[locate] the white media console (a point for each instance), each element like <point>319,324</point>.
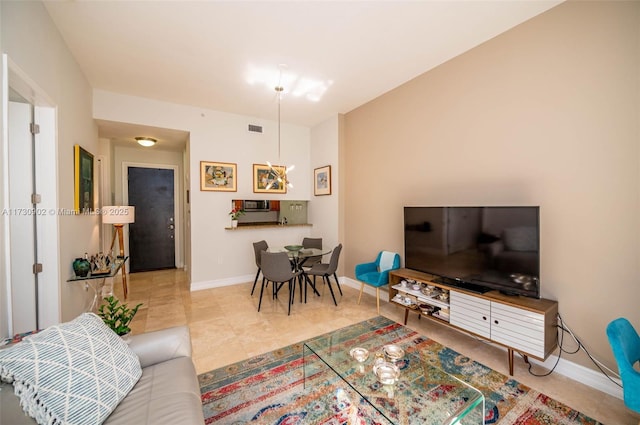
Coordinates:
<point>522,324</point>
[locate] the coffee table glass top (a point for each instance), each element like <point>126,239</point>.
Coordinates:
<point>423,393</point>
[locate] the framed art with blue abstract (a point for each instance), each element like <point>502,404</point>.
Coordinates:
<point>322,181</point>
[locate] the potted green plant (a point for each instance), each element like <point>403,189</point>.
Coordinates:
<point>116,315</point>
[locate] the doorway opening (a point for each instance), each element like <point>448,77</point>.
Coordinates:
<point>30,227</point>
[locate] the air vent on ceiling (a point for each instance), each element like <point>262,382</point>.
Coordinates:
<point>255,128</point>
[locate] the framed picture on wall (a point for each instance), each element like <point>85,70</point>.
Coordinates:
<point>83,180</point>
<point>322,181</point>
<point>265,179</point>
<point>218,176</point>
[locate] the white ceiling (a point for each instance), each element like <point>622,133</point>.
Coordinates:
<point>200,53</point>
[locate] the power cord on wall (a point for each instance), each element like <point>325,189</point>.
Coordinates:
<point>562,329</point>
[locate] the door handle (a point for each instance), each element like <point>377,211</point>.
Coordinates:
<point>171,226</point>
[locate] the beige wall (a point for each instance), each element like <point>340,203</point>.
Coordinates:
<point>545,114</point>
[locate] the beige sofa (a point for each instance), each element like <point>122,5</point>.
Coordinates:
<point>167,393</point>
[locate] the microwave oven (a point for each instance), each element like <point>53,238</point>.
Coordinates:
<point>260,205</point>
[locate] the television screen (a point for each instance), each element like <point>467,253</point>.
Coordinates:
<point>476,248</point>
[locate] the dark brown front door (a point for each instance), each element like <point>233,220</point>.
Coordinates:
<point>152,236</point>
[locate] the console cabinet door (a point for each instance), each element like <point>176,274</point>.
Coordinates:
<point>470,313</point>
<point>521,329</point>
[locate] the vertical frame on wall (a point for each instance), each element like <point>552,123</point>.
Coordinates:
<point>83,180</point>
<point>322,181</point>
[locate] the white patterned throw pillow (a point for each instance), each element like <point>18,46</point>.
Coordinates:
<point>74,373</point>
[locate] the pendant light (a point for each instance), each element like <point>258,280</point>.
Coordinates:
<point>280,173</point>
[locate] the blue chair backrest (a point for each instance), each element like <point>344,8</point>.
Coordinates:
<point>625,344</point>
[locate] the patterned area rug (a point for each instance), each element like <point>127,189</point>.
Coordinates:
<point>270,389</point>
<point>17,338</point>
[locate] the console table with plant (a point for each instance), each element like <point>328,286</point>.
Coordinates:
<point>96,281</point>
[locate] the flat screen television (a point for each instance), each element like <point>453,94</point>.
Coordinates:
<point>476,248</point>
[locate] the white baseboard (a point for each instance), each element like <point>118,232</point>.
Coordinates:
<point>579,373</point>
<point>209,284</point>
<point>593,378</point>
<point>384,291</point>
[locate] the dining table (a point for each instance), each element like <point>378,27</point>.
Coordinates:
<point>298,256</point>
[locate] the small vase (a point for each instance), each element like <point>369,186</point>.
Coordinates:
<point>81,267</point>
<point>234,224</point>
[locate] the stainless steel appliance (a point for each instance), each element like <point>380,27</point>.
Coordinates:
<point>256,205</point>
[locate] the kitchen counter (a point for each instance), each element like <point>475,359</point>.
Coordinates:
<point>268,224</point>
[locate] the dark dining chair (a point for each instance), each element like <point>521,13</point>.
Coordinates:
<point>326,271</point>
<point>258,247</point>
<point>316,259</point>
<point>276,268</point>
<point>312,243</point>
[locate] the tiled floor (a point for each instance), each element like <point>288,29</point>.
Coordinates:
<point>226,327</point>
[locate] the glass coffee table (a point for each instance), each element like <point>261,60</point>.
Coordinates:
<point>422,394</point>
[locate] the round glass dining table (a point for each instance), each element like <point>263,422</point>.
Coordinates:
<point>298,257</point>
<point>302,254</point>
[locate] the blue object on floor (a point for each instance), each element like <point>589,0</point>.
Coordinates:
<point>625,345</point>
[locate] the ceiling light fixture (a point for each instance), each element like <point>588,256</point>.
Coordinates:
<point>146,141</point>
<point>297,85</point>
<point>278,172</point>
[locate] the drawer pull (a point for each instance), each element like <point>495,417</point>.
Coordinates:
<point>484,317</point>
<point>495,321</point>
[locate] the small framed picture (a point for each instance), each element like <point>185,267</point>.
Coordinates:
<point>322,181</point>
<point>218,176</point>
<point>83,180</point>
<point>265,179</point>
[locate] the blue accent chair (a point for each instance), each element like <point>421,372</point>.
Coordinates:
<point>376,274</point>
<point>625,345</point>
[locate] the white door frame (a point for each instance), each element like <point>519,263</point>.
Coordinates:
<point>177,202</point>
<point>45,112</point>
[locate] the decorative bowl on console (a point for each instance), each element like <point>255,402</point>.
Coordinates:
<point>426,308</point>
<point>444,296</point>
